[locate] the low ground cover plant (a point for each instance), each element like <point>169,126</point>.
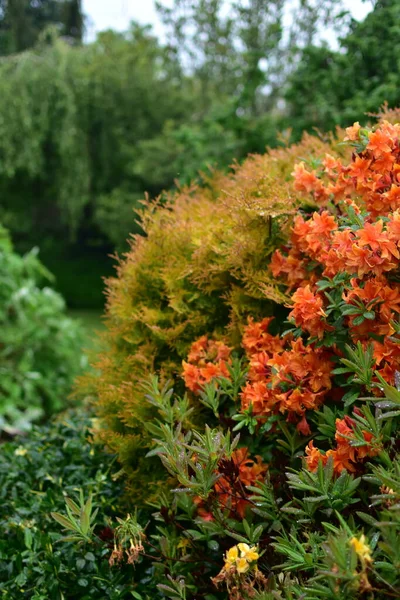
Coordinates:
<point>281,458</point>
<point>40,347</point>
<point>36,473</point>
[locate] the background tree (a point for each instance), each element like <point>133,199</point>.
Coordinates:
<point>72,119</point>
<point>87,130</point>
<point>22,21</point>
<point>332,88</point>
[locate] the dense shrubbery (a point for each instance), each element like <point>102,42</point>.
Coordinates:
<point>305,503</point>
<point>34,473</point>
<point>40,348</point>
<point>201,268</point>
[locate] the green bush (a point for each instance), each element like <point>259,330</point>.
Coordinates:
<point>33,473</point>
<point>39,346</point>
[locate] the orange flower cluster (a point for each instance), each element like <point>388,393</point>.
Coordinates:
<point>372,179</point>
<point>373,249</point>
<point>283,379</point>
<point>207,360</point>
<point>237,473</point>
<point>387,357</point>
<point>368,249</point>
<point>378,295</point>
<point>347,455</point>
<point>257,339</point>
<point>308,312</point>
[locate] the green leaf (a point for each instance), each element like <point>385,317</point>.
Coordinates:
<point>64,521</point>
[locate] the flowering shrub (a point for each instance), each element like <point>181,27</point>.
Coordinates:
<point>282,455</point>
<point>201,269</point>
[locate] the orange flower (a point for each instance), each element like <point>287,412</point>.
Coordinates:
<point>256,338</point>
<point>191,376</point>
<point>259,369</point>
<point>259,396</point>
<point>360,169</point>
<point>380,142</point>
<point>291,381</point>
<point>313,236</point>
<point>239,472</point>
<point>305,181</point>
<point>313,457</point>
<point>379,296</point>
<point>302,365</point>
<point>393,197</point>
<point>387,356</point>
<point>353,132</point>
<point>303,427</point>
<point>393,226</point>
<point>208,360</point>
<point>346,455</point>
<point>307,312</point>
<point>369,250</point>
<point>298,401</point>
<point>372,235</point>
<point>198,349</point>
<point>341,460</point>
<point>292,267</point>
<point>331,164</point>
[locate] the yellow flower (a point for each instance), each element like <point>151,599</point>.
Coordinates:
<point>362,549</point>
<point>231,557</point>
<point>250,554</point>
<point>242,565</point>
<point>20,451</point>
<point>183,543</point>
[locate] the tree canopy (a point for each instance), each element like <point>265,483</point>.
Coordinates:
<point>332,88</point>
<point>22,22</point>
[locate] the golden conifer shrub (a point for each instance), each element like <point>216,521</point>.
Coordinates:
<point>201,268</point>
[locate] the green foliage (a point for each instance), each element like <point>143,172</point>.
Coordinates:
<point>246,52</point>
<point>87,130</point>
<point>318,535</point>
<point>80,519</point>
<point>38,474</point>
<point>331,88</point>
<point>75,149</point>
<point>72,119</point>
<point>23,21</point>
<point>39,346</point>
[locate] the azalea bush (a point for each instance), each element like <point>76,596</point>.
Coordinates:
<point>40,347</point>
<point>281,455</point>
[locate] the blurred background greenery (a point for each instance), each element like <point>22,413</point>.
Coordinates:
<point>86,129</point>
